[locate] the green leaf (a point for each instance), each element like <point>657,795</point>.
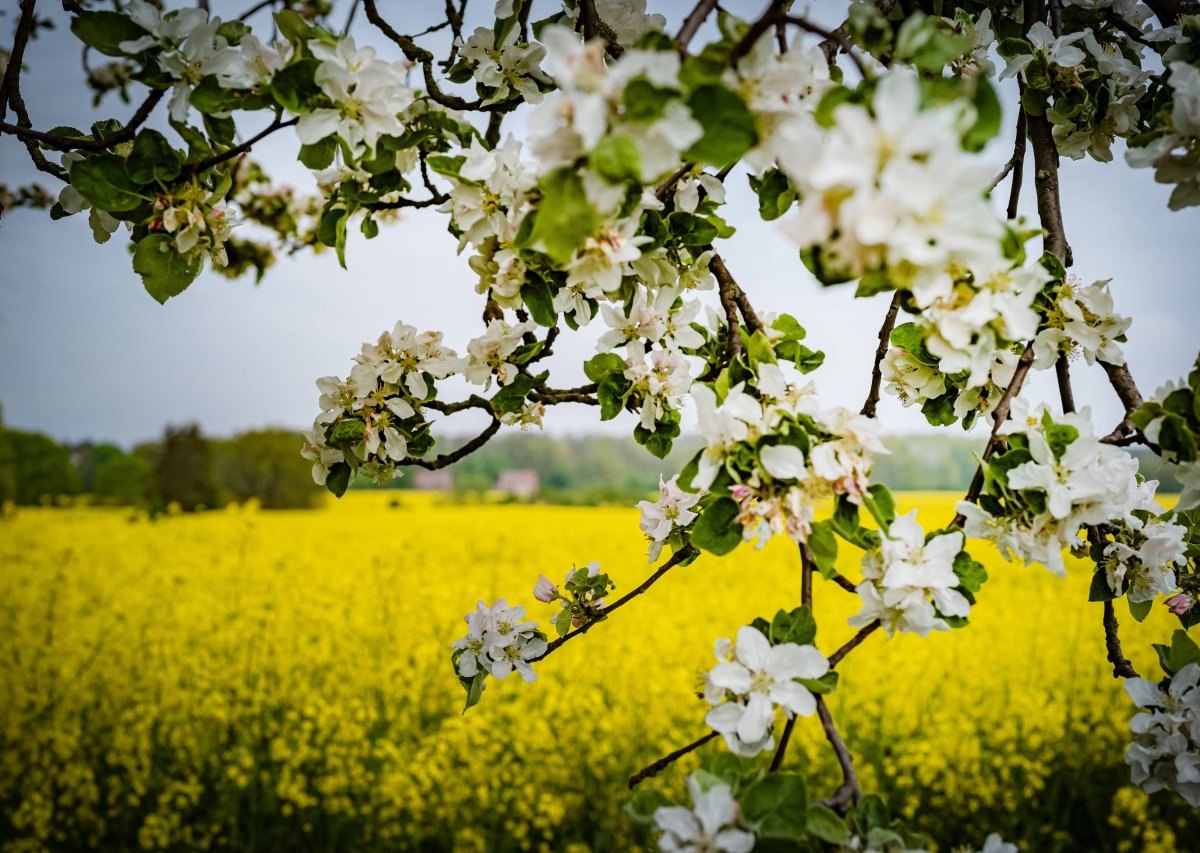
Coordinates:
<point>1059,436</point>
<point>1140,609</point>
<point>824,823</point>
<point>729,130</point>
<point>338,479</point>
<point>102,180</point>
<point>616,159</point>
<point>827,683</point>
<point>1182,651</point>
<point>775,194</point>
<point>347,431</point>
<point>611,396</point>
<point>565,216</point>
<point>715,530</point>
<point>1100,589</point>
<point>776,807</point>
<point>152,159</point>
<point>939,411</point>
<point>796,626</point>
<point>511,397</point>
<point>645,102</point>
<point>165,273</point>
<point>295,87</point>
<point>600,366</point>
<point>105,31</point>
<point>562,622</point>
<point>1175,436</point>
<point>644,803</point>
<point>910,337</point>
<point>474,690</point>
<point>539,299</point>
<point>295,29</point>
<point>823,545</point>
<point>987,116</point>
<point>881,502</point>
<point>319,155</point>
<point>971,573</point>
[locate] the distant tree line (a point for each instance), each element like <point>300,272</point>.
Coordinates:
<point>183,468</point>
<point>193,471</point>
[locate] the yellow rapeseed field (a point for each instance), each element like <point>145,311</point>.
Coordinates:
<point>281,680</point>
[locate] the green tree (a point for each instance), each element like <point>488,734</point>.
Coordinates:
<point>125,479</point>
<point>264,464</point>
<point>184,471</point>
<point>8,474</point>
<point>42,467</point>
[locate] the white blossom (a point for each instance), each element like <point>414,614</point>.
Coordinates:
<point>1166,747</point>
<point>760,678</point>
<point>672,509</point>
<point>710,826</point>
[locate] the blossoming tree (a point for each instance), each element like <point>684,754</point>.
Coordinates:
<point>863,141</point>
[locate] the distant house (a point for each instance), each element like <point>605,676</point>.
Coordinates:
<point>433,481</point>
<point>519,482</point>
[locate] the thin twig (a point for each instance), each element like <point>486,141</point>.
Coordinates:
<point>853,643</point>
<point>999,416</point>
<point>678,557</point>
<point>237,150</point>
<point>1062,369</point>
<point>450,458</point>
<point>667,760</point>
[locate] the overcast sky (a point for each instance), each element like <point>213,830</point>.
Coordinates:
<point>86,353</point>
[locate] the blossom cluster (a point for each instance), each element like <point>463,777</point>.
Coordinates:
<point>1079,320</point>
<point>775,452</point>
<point>1056,477</point>
<point>499,639</point>
<point>372,419</point>
<point>1166,747</point>
<point>710,824</point>
<point>754,678</point>
<point>912,582</point>
<point>581,596</point>
<point>668,516</point>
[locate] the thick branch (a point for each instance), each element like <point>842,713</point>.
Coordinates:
<point>1063,370</point>
<point>885,336</point>
<point>450,458</point>
<point>1045,159</point>
<point>692,22</point>
<point>70,143</point>
<point>1123,384</point>
<point>1122,668</point>
<point>848,794</point>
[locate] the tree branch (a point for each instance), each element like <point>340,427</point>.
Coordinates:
<point>450,458</point>
<point>692,23</point>
<point>853,643</point>
<point>885,336</point>
<point>667,760</point>
<point>999,416</point>
<point>848,794</point>
<point>678,557</point>
<point>1122,668</point>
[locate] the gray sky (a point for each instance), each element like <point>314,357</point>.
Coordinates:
<point>86,353</point>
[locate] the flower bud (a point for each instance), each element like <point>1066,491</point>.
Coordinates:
<point>544,590</point>
<point>1179,603</point>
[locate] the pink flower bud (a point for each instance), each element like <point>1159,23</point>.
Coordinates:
<point>544,590</point>
<point>740,492</point>
<point>1179,603</point>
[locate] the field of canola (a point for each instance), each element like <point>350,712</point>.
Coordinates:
<point>280,680</point>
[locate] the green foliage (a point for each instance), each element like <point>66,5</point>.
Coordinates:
<point>729,129</point>
<point>41,467</point>
<point>715,530</point>
<point>565,217</point>
<point>264,464</point>
<point>165,272</point>
<point>104,31</point>
<point>184,471</point>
